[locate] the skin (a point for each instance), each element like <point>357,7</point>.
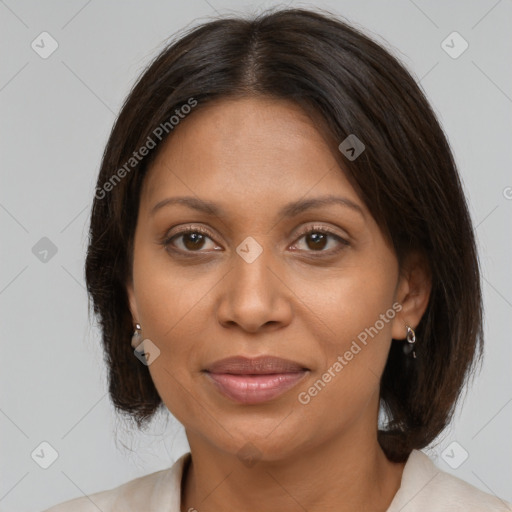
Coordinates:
<point>252,156</point>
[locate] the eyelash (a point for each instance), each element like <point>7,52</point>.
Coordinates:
<point>312,229</point>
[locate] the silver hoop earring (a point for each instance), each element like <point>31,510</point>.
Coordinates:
<point>137,339</point>
<point>411,340</point>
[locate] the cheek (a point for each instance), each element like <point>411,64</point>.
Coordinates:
<point>166,294</point>
<point>356,299</point>
<point>354,355</point>
<point>357,309</point>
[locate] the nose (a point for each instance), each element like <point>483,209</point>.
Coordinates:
<point>254,294</point>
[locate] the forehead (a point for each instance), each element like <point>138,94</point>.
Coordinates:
<point>250,151</point>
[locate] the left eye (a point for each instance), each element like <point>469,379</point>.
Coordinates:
<point>317,239</point>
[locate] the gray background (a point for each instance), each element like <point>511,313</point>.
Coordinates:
<point>56,115</point>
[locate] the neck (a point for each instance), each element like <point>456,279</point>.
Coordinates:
<point>337,476</point>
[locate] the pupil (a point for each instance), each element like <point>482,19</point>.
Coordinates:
<point>197,239</point>
<point>318,240</point>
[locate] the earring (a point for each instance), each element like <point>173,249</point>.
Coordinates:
<point>411,340</point>
<point>137,339</point>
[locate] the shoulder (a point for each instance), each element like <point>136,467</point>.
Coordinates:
<point>156,491</point>
<point>426,487</point>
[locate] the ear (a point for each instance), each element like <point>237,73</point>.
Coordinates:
<point>132,302</point>
<point>412,292</point>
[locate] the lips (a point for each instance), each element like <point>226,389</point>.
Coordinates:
<point>262,365</point>
<point>255,380</point>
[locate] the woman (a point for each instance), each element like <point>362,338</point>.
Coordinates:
<point>280,229</point>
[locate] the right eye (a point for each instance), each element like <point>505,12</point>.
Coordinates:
<point>191,239</point>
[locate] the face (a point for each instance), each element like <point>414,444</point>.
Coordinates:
<point>257,278</point>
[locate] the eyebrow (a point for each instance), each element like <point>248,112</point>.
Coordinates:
<point>289,210</point>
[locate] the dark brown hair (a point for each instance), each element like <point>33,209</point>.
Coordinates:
<point>406,176</point>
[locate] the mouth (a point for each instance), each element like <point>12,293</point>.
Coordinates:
<point>262,365</point>
<point>255,380</point>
